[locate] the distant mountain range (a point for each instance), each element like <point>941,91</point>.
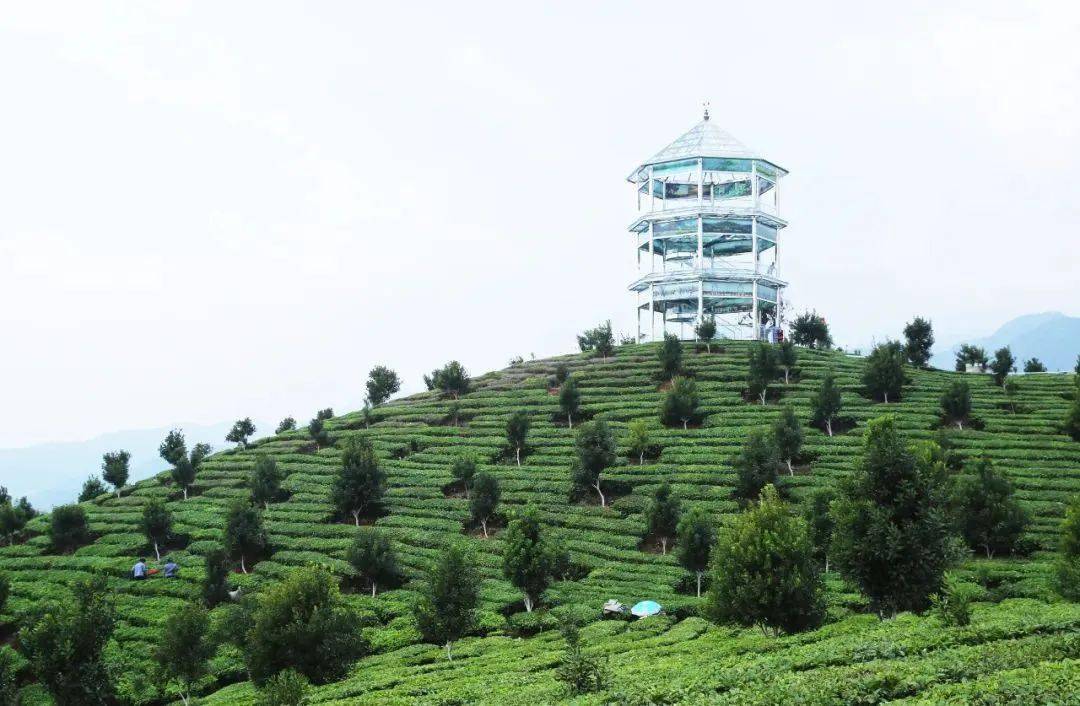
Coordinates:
<point>52,473</point>
<point>1052,337</point>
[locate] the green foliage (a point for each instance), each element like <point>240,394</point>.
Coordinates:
<point>810,330</point>
<point>1067,568</point>
<point>918,342</point>
<point>787,357</point>
<point>638,442</point>
<point>446,609</point>
<point>5,591</point>
<point>360,483</point>
<point>184,466</point>
<point>317,431</point>
<point>64,641</point>
<point>883,375</point>
<point>762,370</point>
<point>594,446</point>
<point>670,354</point>
<point>528,561</point>
<point>183,653</point>
<point>1072,420</point>
<point>265,481</point>
<point>826,403</point>
<point>286,688</point>
<point>1003,363</point>
<point>241,431</point>
<point>68,529</point>
<point>463,469</point>
<point>245,536</point>
<point>1034,365</point>
<point>451,380</point>
<point>706,331</point>
<point>680,403</point>
<point>286,424</point>
<point>952,605</point>
<point>92,488</point>
<point>762,570</point>
<point>14,516</point>
<point>302,623</point>
<point>174,448</point>
<point>755,465</point>
<point>988,514</point>
<point>484,499</point>
<point>215,586</point>
<point>970,355</point>
<point>956,402</point>
<point>561,374</point>
<point>892,532</point>
<point>662,515</point>
<point>787,434</point>
<point>156,524</point>
<point>817,514</point>
<point>382,382</point>
<point>9,676</point>
<point>697,534</point>
<point>373,559</point>
<point>599,339</point>
<point>582,674</point>
<point>115,469</point>
<point>517,432</point>
<point>570,400</point>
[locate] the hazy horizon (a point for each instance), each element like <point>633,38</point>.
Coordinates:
<point>218,211</point>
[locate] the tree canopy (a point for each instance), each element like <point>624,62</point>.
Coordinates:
<point>382,382</point>
<point>670,354</point>
<point>184,652</point>
<point>599,339</point>
<point>956,403</point>
<point>706,331</point>
<point>156,524</point>
<point>92,487</point>
<point>809,329</point>
<point>115,469</point>
<point>528,560</point>
<point>970,355</point>
<point>680,403</point>
<point>1034,365</point>
<point>241,431</point>
<point>1003,363</point>
<point>373,558</point>
<point>245,536</point>
<point>696,536</point>
<point>762,370</point>
<point>594,446</point>
<point>662,515</point>
<point>990,518</point>
<point>265,481</point>
<point>360,482</point>
<point>918,342</point>
<point>452,380</point>
<point>286,424</point>
<point>68,528</point>
<point>826,403</point>
<point>883,375</point>
<point>787,434</point>
<point>517,432</point>
<point>484,499</point>
<point>570,400</point>
<point>446,609</point>
<point>755,465</point>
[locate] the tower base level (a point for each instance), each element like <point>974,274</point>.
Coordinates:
<point>737,326</point>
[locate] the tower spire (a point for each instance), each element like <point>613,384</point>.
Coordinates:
<point>705,105</point>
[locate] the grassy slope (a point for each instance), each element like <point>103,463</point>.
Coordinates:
<point>910,657</point>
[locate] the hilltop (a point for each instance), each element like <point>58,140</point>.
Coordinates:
<point>1052,337</point>
<point>1022,641</point>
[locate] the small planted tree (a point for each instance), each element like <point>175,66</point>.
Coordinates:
<point>956,403</point>
<point>382,382</point>
<point>215,583</point>
<point>1072,419</point>
<point>819,524</point>
<point>762,370</point>
<point>1003,364</point>
<point>517,432</point>
<point>599,339</point>
<point>317,430</point>
<point>286,688</point>
<point>183,653</point>
<point>826,403</point>
<point>446,610</point>
<point>680,403</point>
<point>1034,365</point>
<point>883,374</point>
<point>762,572</point>
<point>697,535</point>
<point>13,518</point>
<point>706,331</point>
<point>286,424</point>
<point>787,357</point>
<point>594,446</point>
<point>92,488</point>
<point>115,469</point>
<point>918,342</point>
<point>662,515</point>
<point>68,529</point>
<point>810,330</point>
<point>360,482</point>
<point>452,380</point>
<point>1067,566</point>
<point>484,500</point>
<point>582,673</point>
<point>463,469</point>
<point>373,559</point>
<point>788,435</point>
<point>265,481</point>
<point>156,524</point>
<point>528,561</point>
<point>755,465</point>
<point>241,431</point>
<point>637,442</point>
<point>245,537</point>
<point>970,355</point>
<point>302,623</point>
<point>185,466</point>
<point>989,516</point>
<point>670,355</point>
<point>570,400</point>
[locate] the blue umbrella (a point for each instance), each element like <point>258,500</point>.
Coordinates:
<point>645,609</point>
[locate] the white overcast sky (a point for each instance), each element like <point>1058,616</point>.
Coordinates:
<point>217,209</point>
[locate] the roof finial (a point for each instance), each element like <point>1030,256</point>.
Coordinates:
<point>705,104</point>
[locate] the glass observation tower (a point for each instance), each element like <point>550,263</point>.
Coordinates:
<point>707,232</point>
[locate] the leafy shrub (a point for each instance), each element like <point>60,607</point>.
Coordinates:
<point>286,688</point>
<point>952,605</point>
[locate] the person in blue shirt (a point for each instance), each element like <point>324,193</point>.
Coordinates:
<point>138,572</point>
<point>171,568</point>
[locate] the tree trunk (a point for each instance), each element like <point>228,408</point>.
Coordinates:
<point>828,425</point>
<point>684,424</point>
<point>826,563</point>
<point>570,421</point>
<point>372,589</point>
<point>483,525</point>
<point>786,373</point>
<point>185,492</point>
<point>518,453</point>
<point>184,697</point>
<point>156,552</point>
<point>603,502</point>
<point>118,493</point>
<point>762,395</point>
<point>886,396</point>
<point>790,469</point>
<point>242,566</point>
<point>663,545</point>
<point>448,657</point>
<point>641,459</point>
<point>699,584</point>
<point>356,517</point>
<point>528,603</point>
